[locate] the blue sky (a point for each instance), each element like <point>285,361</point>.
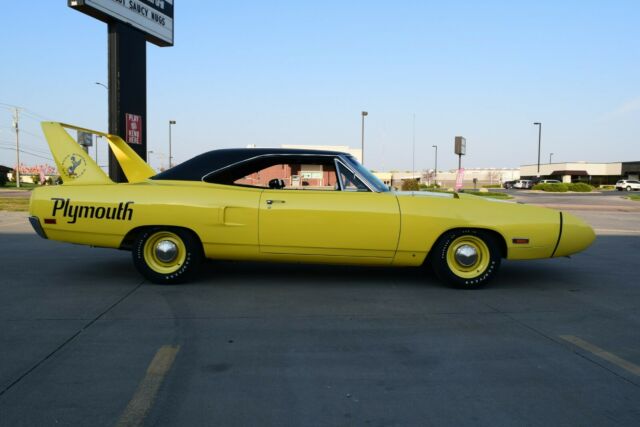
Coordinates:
<point>284,72</point>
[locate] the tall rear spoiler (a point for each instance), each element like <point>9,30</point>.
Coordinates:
<point>78,168</point>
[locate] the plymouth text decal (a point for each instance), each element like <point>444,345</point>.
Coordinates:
<point>121,213</point>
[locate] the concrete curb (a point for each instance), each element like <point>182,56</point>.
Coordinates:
<point>610,208</point>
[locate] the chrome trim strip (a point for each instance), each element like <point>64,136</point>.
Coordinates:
<point>337,158</point>
<point>263,155</point>
<point>360,177</point>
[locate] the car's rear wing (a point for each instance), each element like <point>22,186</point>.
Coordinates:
<point>76,167</point>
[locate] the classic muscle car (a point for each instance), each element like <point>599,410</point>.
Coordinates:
<point>285,205</point>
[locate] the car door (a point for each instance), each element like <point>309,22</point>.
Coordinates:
<point>349,222</point>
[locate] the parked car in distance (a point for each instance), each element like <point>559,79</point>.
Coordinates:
<point>508,184</point>
<point>549,181</point>
<point>523,184</point>
<point>628,184</point>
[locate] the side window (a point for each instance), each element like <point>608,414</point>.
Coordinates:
<point>292,176</point>
<point>350,182</point>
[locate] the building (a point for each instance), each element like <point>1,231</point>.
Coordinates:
<point>447,179</point>
<point>592,173</point>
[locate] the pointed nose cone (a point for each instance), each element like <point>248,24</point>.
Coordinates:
<point>577,236</point>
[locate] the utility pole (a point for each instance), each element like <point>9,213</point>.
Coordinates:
<point>436,167</point>
<point>539,124</point>
<point>16,125</point>
<point>413,147</point>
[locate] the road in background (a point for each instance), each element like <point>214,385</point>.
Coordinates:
<point>85,341</point>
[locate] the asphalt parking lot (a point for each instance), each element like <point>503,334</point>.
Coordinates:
<point>85,341</point>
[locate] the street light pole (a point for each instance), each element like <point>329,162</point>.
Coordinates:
<point>171,122</point>
<point>364,113</point>
<point>98,136</point>
<point>550,157</point>
<point>149,153</point>
<point>436,167</point>
<point>539,140</point>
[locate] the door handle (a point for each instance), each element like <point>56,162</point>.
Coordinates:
<point>270,202</point>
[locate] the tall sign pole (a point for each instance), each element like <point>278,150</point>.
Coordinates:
<point>460,148</point>
<point>130,25</point>
<point>127,91</point>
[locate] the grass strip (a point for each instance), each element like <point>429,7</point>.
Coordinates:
<point>14,204</point>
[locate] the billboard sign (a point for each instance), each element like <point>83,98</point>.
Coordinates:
<point>153,17</point>
<point>460,146</point>
<point>85,139</point>
<point>134,128</point>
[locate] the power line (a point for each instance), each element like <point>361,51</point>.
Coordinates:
<point>27,111</point>
<point>26,152</point>
<point>12,144</point>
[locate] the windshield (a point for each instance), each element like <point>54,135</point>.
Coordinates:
<point>364,172</point>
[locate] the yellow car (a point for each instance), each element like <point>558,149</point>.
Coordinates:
<point>285,205</point>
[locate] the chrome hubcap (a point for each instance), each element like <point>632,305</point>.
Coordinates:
<point>166,251</point>
<point>466,255</point>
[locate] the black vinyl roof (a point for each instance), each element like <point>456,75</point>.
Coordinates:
<point>196,168</point>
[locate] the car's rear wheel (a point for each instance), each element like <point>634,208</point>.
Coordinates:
<point>629,188</point>
<point>167,255</point>
<point>466,258</point>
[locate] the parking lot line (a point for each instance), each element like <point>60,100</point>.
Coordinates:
<point>142,400</point>
<point>603,354</point>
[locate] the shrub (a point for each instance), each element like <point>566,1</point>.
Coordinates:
<point>410,185</point>
<point>35,178</point>
<point>3,179</point>
<point>429,187</point>
<point>580,187</point>
<point>552,188</point>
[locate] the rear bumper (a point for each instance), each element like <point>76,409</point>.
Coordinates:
<point>35,223</point>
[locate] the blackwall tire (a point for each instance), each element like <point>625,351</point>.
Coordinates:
<point>466,258</point>
<point>167,255</point>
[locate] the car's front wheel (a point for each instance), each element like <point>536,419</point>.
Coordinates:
<point>629,188</point>
<point>466,258</point>
<point>167,255</point>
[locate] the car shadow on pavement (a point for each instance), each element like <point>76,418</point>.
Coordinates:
<point>611,258</point>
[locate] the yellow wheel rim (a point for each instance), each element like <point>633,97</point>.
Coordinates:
<point>468,257</point>
<point>164,252</point>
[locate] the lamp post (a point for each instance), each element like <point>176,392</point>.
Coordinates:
<point>435,170</point>
<point>550,157</point>
<point>171,122</point>
<point>149,153</point>
<point>539,139</point>
<point>98,136</point>
<point>364,114</point>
